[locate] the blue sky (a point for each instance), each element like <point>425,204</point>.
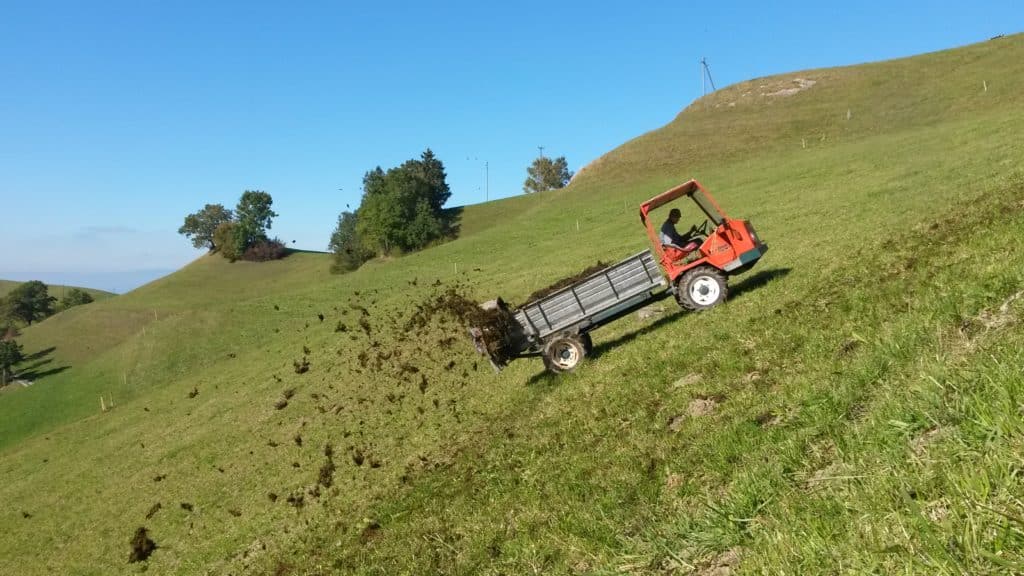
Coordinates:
<point>119,118</point>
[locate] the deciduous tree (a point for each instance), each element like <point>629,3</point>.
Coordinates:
<point>547,174</point>
<point>200,226</point>
<point>75,297</point>
<point>402,209</point>
<point>10,355</point>
<point>348,248</point>
<point>28,302</point>
<point>254,217</point>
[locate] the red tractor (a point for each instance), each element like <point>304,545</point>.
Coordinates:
<point>720,247</point>
<point>557,326</point>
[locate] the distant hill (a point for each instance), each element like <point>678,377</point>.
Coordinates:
<point>57,290</point>
<point>853,407</point>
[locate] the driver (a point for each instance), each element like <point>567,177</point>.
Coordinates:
<point>670,237</point>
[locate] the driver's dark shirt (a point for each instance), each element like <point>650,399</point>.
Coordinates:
<point>670,236</point>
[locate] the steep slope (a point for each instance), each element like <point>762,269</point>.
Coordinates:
<point>831,415</point>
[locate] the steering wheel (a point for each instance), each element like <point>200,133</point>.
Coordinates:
<point>702,229</point>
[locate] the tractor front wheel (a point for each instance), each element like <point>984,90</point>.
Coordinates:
<point>701,288</point>
<point>564,353</point>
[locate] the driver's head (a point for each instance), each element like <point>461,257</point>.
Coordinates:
<point>674,215</point>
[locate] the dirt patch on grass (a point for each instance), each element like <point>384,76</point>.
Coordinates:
<point>704,405</point>
<point>142,546</point>
<point>370,532</point>
<point>768,419</point>
<point>722,565</point>
<point>687,381</point>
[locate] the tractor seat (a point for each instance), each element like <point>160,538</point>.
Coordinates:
<point>674,253</point>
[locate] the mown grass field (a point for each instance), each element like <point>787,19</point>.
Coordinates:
<point>854,407</point>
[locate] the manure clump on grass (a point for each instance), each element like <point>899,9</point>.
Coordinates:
<point>296,500</point>
<point>142,546</point>
<point>326,476</point>
<point>153,510</point>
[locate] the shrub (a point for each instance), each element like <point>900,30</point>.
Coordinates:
<point>224,238</point>
<point>75,297</point>
<point>264,250</point>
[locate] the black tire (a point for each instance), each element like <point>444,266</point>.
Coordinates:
<point>564,353</point>
<point>588,344</point>
<point>701,288</point>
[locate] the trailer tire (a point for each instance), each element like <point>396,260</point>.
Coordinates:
<point>564,353</point>
<point>701,288</point>
<point>588,344</point>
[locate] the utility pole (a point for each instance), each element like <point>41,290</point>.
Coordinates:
<point>541,148</point>
<point>487,181</point>
<point>705,72</point>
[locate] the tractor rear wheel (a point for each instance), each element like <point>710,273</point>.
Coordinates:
<point>564,353</point>
<point>701,288</point>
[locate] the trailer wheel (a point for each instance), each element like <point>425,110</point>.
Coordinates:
<point>701,288</point>
<point>588,344</point>
<point>564,353</point>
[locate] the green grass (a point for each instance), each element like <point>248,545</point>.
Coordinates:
<point>865,377</point>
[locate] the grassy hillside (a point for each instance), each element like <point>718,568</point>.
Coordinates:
<point>56,290</point>
<point>853,407</point>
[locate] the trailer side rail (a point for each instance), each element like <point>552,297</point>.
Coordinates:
<point>595,295</point>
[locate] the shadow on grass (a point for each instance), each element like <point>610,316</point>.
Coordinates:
<point>41,354</point>
<point>756,281</point>
<point>452,221</point>
<point>741,288</point>
<point>35,366</point>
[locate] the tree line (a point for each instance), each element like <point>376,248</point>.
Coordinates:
<point>401,210</point>
<point>29,302</point>
<point>240,234</point>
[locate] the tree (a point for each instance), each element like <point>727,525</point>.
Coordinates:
<point>200,226</point>
<point>254,216</point>
<point>348,248</point>
<point>28,302</point>
<point>547,174</point>
<point>10,355</point>
<point>402,209</point>
<point>75,297</point>
<point>225,237</point>
<point>431,172</point>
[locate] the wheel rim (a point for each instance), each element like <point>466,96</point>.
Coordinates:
<point>705,290</point>
<point>566,355</point>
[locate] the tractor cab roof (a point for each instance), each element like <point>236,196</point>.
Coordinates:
<point>692,189</point>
